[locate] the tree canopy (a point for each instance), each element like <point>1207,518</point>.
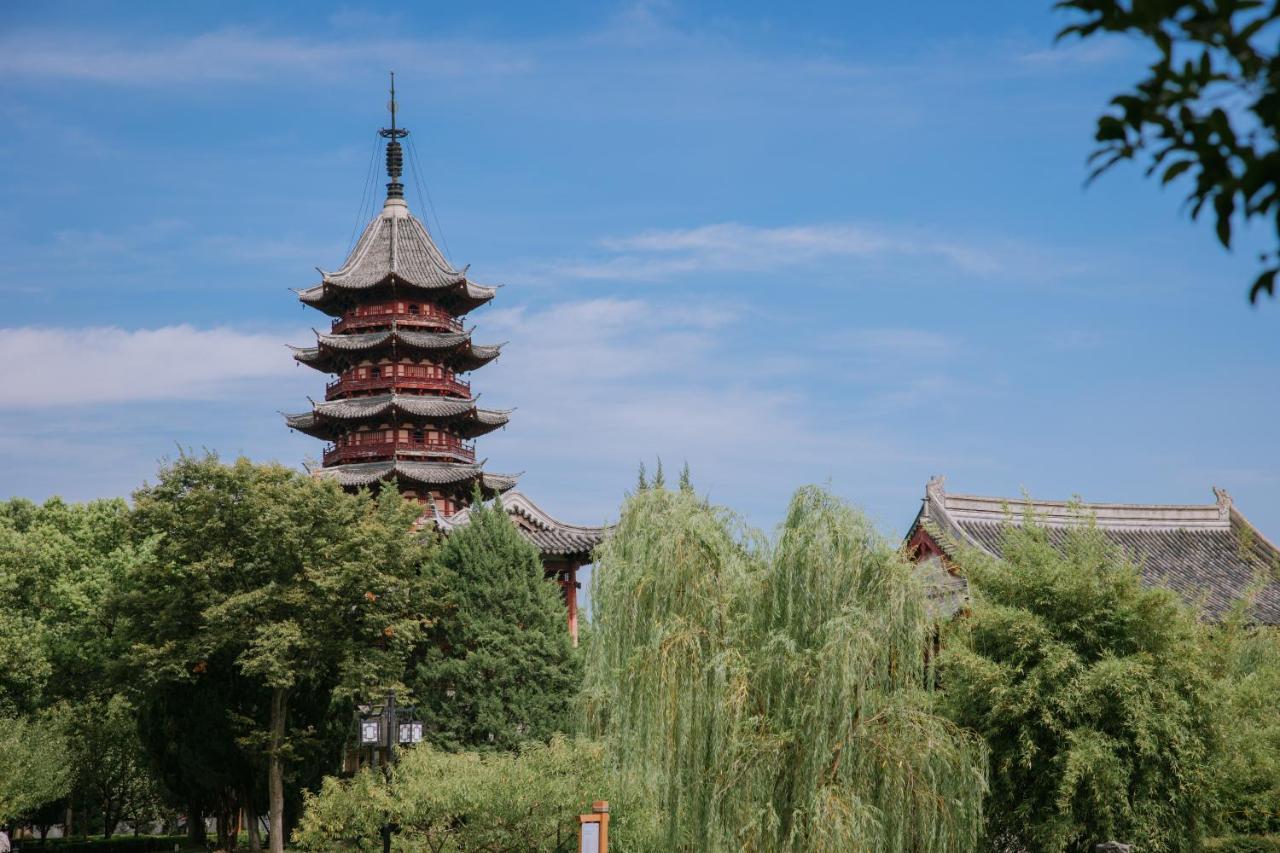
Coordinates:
<point>1090,691</point>
<point>1209,106</point>
<point>773,696</point>
<point>497,668</point>
<point>276,596</point>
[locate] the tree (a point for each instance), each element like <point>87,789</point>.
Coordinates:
<point>773,696</point>
<point>498,667</point>
<point>34,766</point>
<point>60,566</point>
<point>1245,660</point>
<point>108,761</point>
<point>1091,692</point>
<point>1209,105</point>
<point>285,592</point>
<point>506,802</point>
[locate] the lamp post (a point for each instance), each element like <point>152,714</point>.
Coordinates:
<point>384,728</point>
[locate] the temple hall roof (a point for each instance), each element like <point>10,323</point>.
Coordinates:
<point>551,536</point>
<point>396,245</point>
<point>328,417</point>
<point>1207,553</point>
<point>332,351</point>
<point>427,473</point>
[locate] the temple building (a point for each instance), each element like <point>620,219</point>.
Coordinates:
<point>399,407</point>
<point>1208,553</point>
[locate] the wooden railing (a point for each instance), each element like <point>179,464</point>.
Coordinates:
<point>372,451</point>
<point>395,384</point>
<point>427,316</point>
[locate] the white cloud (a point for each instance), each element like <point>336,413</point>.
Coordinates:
<point>732,247</point>
<point>601,384</point>
<point>106,364</point>
<point>236,55</point>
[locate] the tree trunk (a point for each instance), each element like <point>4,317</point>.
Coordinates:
<point>195,823</point>
<point>275,772</point>
<point>251,819</point>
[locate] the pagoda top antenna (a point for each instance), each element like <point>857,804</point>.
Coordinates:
<point>395,156</point>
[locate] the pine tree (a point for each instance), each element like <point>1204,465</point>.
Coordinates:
<point>499,668</point>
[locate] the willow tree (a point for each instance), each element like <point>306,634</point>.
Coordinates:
<point>774,695</point>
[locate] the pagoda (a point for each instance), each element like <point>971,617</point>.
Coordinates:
<point>399,408</point>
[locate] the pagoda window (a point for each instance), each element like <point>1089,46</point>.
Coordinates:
<point>418,436</point>
<point>413,309</point>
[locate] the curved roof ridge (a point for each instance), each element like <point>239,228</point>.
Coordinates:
<point>520,502</point>
<point>1056,513</point>
<point>367,238</point>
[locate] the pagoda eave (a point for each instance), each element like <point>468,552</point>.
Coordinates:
<point>457,476</point>
<point>336,417</point>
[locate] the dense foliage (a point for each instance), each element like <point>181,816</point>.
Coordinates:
<point>1091,693</point>
<point>275,595</point>
<point>1209,105</point>
<point>506,802</point>
<point>773,696</point>
<point>1246,661</point>
<point>497,668</point>
<point>61,643</point>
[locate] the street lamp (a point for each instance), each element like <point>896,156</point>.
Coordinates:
<point>383,727</point>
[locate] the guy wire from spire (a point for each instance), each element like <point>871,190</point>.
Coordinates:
<point>426,196</point>
<point>370,173</point>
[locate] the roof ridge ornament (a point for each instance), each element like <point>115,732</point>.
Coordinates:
<point>395,154</point>
<point>1224,502</point>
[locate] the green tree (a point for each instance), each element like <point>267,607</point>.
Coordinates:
<point>1208,107</point>
<point>1091,692</point>
<point>1246,662</point>
<point>773,696</point>
<point>498,668</point>
<point>60,566</point>
<point>506,802</point>
<point>34,766</point>
<point>108,761</point>
<point>285,592</point>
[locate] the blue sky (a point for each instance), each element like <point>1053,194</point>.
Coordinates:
<point>846,244</point>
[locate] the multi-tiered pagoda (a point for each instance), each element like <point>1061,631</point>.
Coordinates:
<point>399,408</point>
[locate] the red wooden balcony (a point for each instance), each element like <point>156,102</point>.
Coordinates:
<point>407,314</point>
<point>342,387</point>
<point>404,448</point>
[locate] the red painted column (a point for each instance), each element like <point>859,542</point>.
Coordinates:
<point>571,599</point>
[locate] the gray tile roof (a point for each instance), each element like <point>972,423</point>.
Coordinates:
<point>551,536</point>
<point>395,244</point>
<point>456,345</point>
<point>1208,553</point>
<point>329,417</point>
<point>426,473</point>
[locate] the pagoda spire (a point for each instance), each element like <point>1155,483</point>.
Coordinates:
<point>395,154</point>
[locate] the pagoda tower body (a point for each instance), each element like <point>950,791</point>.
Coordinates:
<point>398,407</point>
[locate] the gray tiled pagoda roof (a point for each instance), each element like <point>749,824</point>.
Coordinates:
<point>396,244</point>
<point>1208,553</point>
<point>551,536</point>
<point>322,419</point>
<point>426,473</point>
<point>458,345</point>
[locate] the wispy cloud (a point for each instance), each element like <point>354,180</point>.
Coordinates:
<point>107,364</point>
<point>732,247</point>
<point>237,55</point>
<point>1076,54</point>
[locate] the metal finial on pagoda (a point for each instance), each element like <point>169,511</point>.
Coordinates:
<point>395,154</point>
